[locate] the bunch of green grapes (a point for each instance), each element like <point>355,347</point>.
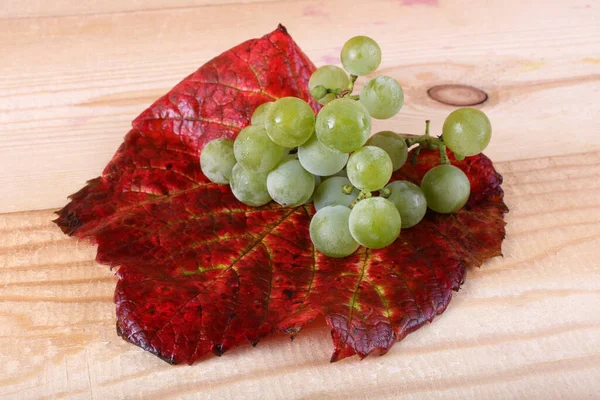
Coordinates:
<point>292,156</point>
<point>258,165</point>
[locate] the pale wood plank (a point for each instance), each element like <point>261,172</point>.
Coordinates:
<point>72,84</point>
<point>523,326</point>
<point>526,326</point>
<point>25,9</point>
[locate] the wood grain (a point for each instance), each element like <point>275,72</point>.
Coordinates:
<point>74,74</point>
<point>26,9</point>
<point>523,326</point>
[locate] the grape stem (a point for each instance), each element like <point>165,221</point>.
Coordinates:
<point>347,189</point>
<point>428,141</point>
<point>347,92</point>
<point>361,196</point>
<point>443,154</point>
<point>336,92</point>
<point>353,79</point>
<point>385,192</point>
<point>322,91</point>
<point>415,154</point>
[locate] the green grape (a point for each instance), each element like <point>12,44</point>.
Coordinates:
<point>330,193</point>
<point>330,77</point>
<point>343,125</point>
<point>249,187</point>
<point>317,180</point>
<point>361,55</point>
<point>317,183</point>
<point>393,144</point>
<point>290,122</point>
<point>289,184</point>
<point>321,160</point>
<point>382,96</point>
<point>370,168</point>
<point>375,222</point>
<point>342,173</point>
<point>255,151</point>
<point>258,117</point>
<point>319,92</point>
<point>410,202</point>
<point>467,131</point>
<point>217,160</point>
<point>330,234</point>
<point>446,188</point>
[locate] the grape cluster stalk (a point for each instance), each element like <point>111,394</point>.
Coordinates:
<point>293,157</point>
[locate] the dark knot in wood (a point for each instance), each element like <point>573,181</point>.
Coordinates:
<point>457,95</point>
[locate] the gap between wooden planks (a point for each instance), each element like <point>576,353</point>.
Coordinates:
<point>523,326</point>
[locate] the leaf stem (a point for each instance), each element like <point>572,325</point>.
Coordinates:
<point>347,189</point>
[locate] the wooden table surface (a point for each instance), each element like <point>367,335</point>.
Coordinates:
<point>526,326</point>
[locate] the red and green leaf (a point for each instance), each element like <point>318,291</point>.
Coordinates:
<point>200,272</point>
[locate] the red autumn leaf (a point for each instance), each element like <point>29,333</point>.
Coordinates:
<point>200,272</point>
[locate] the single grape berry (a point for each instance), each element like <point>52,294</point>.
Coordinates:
<point>343,173</point>
<point>467,131</point>
<point>255,151</point>
<point>329,77</point>
<point>375,222</point>
<point>409,200</point>
<point>249,187</point>
<point>382,96</point>
<point>290,122</point>
<point>318,159</point>
<point>289,184</point>
<point>343,125</point>
<point>330,193</point>
<point>393,144</point>
<point>319,92</point>
<point>369,168</point>
<point>330,233</point>
<point>361,55</point>
<point>446,188</point>
<point>217,160</point>
<point>258,117</point>
<point>317,180</point>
